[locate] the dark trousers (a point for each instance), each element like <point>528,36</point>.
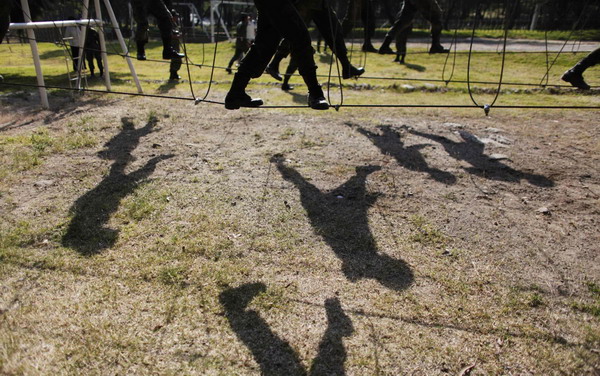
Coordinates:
<point>241,47</point>
<point>278,19</point>
<point>75,58</point>
<point>90,55</point>
<point>364,9</point>
<point>429,9</point>
<point>158,9</point>
<point>589,61</point>
<point>5,8</point>
<point>329,27</point>
<point>176,62</point>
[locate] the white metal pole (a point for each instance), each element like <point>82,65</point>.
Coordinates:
<point>83,31</point>
<point>36,56</point>
<point>103,46</point>
<point>113,19</point>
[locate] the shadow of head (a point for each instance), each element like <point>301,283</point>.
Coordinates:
<point>238,298</point>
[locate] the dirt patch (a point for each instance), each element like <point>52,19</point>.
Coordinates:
<point>171,238</point>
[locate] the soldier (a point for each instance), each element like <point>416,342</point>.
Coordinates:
<point>430,10</point>
<point>5,8</point>
<point>329,27</point>
<point>277,19</point>
<point>574,76</point>
<point>401,41</point>
<point>176,61</point>
<point>92,51</point>
<point>72,35</point>
<point>243,39</point>
<point>157,8</point>
<point>364,8</point>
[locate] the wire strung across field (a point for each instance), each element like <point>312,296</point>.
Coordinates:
<point>198,100</point>
<point>213,66</point>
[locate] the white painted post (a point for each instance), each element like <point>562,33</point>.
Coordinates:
<point>36,56</point>
<point>103,46</point>
<point>80,62</point>
<point>113,19</point>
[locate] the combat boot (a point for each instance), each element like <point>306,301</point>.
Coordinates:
<point>141,51</point>
<point>575,78</point>
<point>316,99</point>
<point>438,49</point>
<point>237,97</point>
<point>349,71</point>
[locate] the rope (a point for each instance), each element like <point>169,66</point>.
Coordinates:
<point>487,107</point>
<point>304,106</point>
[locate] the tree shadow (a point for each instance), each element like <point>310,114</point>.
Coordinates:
<point>471,150</point>
<point>86,232</point>
<point>390,142</point>
<point>340,216</point>
<point>274,355</point>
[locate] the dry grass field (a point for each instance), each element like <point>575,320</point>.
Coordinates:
<point>148,236</point>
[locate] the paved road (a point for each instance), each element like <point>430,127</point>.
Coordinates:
<point>513,45</point>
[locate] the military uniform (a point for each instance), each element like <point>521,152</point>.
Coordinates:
<point>430,10</point>
<point>160,10</point>
<point>242,42</point>
<point>92,51</point>
<point>329,27</point>
<point>277,19</point>
<point>364,10</point>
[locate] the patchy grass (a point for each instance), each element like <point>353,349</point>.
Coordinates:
<point>162,238</point>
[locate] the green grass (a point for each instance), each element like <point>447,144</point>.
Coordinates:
<point>424,76</point>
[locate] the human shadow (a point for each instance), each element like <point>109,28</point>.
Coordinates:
<point>167,86</point>
<point>86,231</point>
<point>332,353</point>
<point>471,150</point>
<point>274,355</point>
<point>415,67</point>
<point>340,216</point>
<point>298,95</point>
<point>390,142</point>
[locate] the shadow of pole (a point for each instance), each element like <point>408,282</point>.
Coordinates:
<point>341,218</point>
<point>86,232</point>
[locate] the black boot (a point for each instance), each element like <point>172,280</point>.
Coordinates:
<point>368,47</point>
<point>385,46</point>
<point>237,97</point>
<point>286,87</point>
<point>141,51</point>
<point>273,70</point>
<point>438,49</point>
<point>575,78</point>
<point>316,99</point>
<point>174,77</point>
<point>349,71</point>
